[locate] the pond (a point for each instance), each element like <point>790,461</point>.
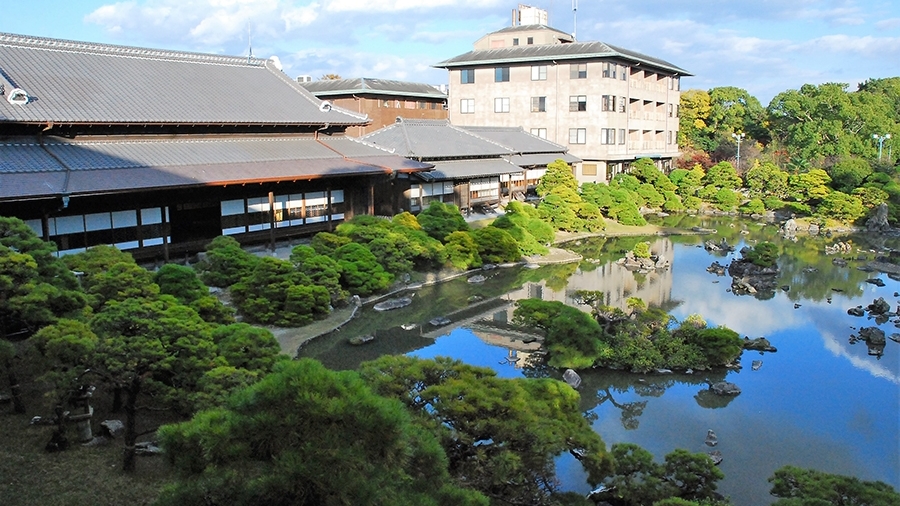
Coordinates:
<point>817,402</point>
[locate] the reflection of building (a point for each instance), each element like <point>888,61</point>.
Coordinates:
<point>615,281</point>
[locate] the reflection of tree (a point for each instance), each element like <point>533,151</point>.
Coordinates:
<point>707,399</point>
<point>555,276</point>
<point>630,410</point>
<point>601,386</point>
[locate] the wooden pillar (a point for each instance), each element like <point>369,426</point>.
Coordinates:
<point>329,210</point>
<point>165,238</point>
<point>272,221</point>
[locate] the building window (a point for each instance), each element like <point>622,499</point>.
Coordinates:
<point>515,42</point>
<point>578,71</point>
<point>501,74</point>
<point>622,103</point>
<point>387,103</point>
<point>501,104</point>
<point>621,136</point>
<point>677,83</point>
<point>609,70</point>
<point>530,40</point>
<point>577,103</point>
<point>467,76</point>
<point>577,135</point>
<point>409,104</point>
<point>671,110</point>
<point>624,73</point>
<point>539,73</point>
<point>539,132</point>
<point>608,103</point>
<point>589,169</point>
<point>538,104</point>
<point>607,136</point>
<point>421,104</point>
<point>668,137</point>
<point>467,106</point>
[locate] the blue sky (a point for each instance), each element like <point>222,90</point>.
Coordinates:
<point>765,47</point>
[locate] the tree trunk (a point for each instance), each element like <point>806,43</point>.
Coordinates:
<point>14,389</point>
<point>130,423</point>
<point>117,399</point>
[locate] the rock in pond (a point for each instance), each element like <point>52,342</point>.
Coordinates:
<point>725,388</point>
<point>758,344</point>
<point>439,321</point>
<point>572,378</point>
<point>359,340</point>
<point>856,311</point>
<point>478,278</point>
<point>711,438</point>
<point>716,457</point>
<point>756,365</point>
<point>393,304</point>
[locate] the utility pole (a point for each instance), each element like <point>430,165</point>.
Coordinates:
<point>738,138</point>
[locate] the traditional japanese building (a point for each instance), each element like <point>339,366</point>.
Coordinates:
<point>474,167</point>
<point>159,151</point>
<point>382,100</point>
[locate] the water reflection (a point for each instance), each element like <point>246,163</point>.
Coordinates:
<point>819,401</point>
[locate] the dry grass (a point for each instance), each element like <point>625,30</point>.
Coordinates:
<point>79,476</point>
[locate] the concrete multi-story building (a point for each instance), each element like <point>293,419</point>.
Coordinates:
<point>608,105</point>
<point>382,100</point>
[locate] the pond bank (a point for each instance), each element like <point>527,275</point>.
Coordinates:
<point>291,339</point>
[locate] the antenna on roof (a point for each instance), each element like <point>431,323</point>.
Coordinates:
<point>249,44</point>
<point>574,19</point>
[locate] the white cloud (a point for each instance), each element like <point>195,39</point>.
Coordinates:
<point>207,23</point>
<point>888,24</point>
<point>406,5</point>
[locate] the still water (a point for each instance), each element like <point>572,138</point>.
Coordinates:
<point>818,402</point>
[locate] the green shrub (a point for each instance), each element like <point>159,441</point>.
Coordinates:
<point>361,273</point>
<point>753,206</point>
<point>496,245</point>
<point>225,262</point>
<point>641,250</point>
<point>462,251</point>
<point>440,220</point>
<point>764,254</point>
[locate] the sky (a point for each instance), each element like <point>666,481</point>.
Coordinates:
<point>765,46</point>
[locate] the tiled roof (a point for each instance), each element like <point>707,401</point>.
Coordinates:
<point>531,28</point>
<point>555,52</point>
<point>516,139</point>
<point>78,82</point>
<point>539,159</point>
<point>467,169</point>
<point>432,139</point>
<point>364,85</point>
<point>29,170</point>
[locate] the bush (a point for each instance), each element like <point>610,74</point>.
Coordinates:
<point>225,263</point>
<point>496,245</point>
<point>726,199</point>
<point>641,250</point>
<point>440,220</point>
<point>462,251</point>
<point>673,202</point>
<point>764,254</point>
<point>180,282</point>
<point>360,271</point>
<point>692,203</point>
<point>753,206</point>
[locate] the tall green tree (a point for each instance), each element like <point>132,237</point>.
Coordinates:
<point>501,435</point>
<point>308,436</point>
<point>795,486</point>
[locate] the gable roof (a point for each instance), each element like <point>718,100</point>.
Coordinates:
<point>432,139</point>
<point>369,86</point>
<point>532,28</point>
<point>556,52</point>
<point>516,139</point>
<point>71,82</point>
<point>57,166</point>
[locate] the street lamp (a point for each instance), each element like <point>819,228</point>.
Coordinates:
<point>738,138</point>
<point>880,139</point>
